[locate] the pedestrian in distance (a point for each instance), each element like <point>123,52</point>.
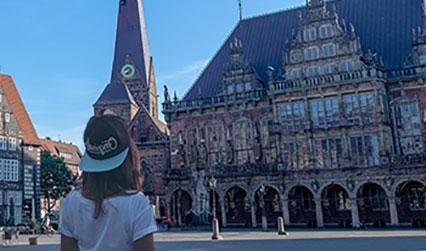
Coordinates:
<point>108,211</point>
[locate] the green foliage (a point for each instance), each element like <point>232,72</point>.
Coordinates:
<point>56,179</point>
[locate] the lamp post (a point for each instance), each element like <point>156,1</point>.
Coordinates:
<point>262,191</point>
<point>212,185</point>
<point>215,223</point>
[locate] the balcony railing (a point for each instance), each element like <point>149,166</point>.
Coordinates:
<point>326,79</point>
<point>255,169</point>
<point>205,102</point>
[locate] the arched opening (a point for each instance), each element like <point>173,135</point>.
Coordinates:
<point>411,203</point>
<point>373,205</point>
<point>270,206</point>
<point>302,207</point>
<point>237,207</point>
<point>336,207</point>
<point>181,208</point>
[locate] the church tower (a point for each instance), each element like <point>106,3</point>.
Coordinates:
<point>133,64</point>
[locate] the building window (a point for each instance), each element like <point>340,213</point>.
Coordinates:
<point>365,150</point>
<point>325,113</point>
<point>367,108</point>
<point>326,31</point>
<point>295,74</point>
<point>313,71</point>
<point>310,34</point>
<point>10,170</point>
<point>422,59</point>
<point>12,144</point>
<point>248,86</point>
<point>292,115</point>
<point>3,143</point>
<point>329,69</point>
<point>352,110</point>
<point>328,153</point>
<point>7,117</point>
<point>289,155</point>
<point>311,53</point>
<point>240,88</point>
<point>231,89</point>
<point>329,50</point>
<point>347,66</point>
<point>243,142</point>
<point>407,118</point>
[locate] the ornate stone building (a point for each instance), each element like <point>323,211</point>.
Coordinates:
<point>19,159</point>
<point>316,114</point>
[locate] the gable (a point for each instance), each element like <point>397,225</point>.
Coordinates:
<point>19,111</point>
<point>144,128</point>
<point>383,26</point>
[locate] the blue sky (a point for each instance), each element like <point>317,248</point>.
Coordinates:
<point>60,51</point>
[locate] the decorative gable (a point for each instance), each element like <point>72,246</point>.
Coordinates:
<point>322,45</point>
<point>144,128</point>
<point>240,77</point>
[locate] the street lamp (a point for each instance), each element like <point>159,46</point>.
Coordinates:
<point>215,222</point>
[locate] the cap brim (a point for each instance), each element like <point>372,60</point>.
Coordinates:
<point>91,165</point>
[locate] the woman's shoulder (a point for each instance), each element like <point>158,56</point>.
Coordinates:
<point>72,196</point>
<point>139,199</point>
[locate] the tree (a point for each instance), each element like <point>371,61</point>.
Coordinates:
<point>56,179</point>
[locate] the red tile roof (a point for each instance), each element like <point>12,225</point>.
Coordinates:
<point>28,132</point>
<point>56,147</point>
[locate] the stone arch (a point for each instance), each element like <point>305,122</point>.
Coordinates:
<point>237,207</point>
<point>373,205</point>
<point>336,206</point>
<point>402,181</point>
<point>410,198</point>
<point>269,206</point>
<point>377,182</point>
<point>301,206</point>
<point>181,207</point>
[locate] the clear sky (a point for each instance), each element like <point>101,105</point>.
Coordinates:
<point>60,51</point>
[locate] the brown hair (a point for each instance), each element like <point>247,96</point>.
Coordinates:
<point>100,186</point>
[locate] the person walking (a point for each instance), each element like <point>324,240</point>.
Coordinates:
<point>108,211</point>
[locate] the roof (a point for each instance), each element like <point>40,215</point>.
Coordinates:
<point>132,41</point>
<point>115,93</point>
<point>384,26</point>
<point>29,134</point>
<point>57,147</point>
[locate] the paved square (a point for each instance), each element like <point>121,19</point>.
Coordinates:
<point>255,241</point>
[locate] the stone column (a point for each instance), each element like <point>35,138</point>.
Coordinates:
<point>318,212</point>
<point>393,212</point>
<point>286,213</point>
<point>223,212</point>
<point>355,213</point>
<point>253,213</point>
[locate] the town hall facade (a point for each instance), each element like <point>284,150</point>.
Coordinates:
<point>316,114</point>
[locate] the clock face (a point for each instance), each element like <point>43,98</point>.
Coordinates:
<point>128,71</point>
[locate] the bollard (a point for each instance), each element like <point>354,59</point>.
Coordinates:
<point>216,234</point>
<point>281,228</point>
<point>33,241</point>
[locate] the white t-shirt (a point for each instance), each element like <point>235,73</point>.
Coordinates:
<point>124,220</point>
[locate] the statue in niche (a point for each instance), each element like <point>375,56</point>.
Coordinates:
<point>201,196</point>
